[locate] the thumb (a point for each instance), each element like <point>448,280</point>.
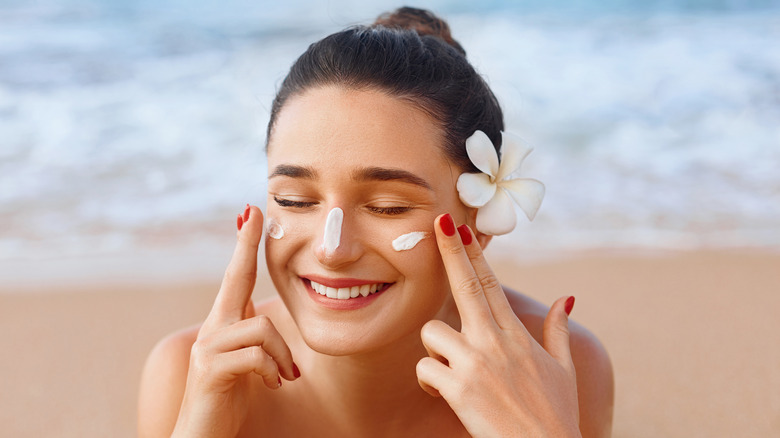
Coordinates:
<point>556,331</point>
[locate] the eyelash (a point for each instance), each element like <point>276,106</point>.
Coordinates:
<point>389,211</point>
<point>295,204</point>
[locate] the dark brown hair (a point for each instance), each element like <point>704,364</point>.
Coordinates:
<point>410,54</point>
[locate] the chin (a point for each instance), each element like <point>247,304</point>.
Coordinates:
<point>361,336</point>
<point>345,338</point>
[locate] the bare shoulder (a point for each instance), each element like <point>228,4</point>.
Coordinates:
<point>164,379</point>
<point>595,380</point>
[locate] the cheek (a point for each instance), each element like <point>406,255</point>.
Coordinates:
<point>408,241</point>
<point>398,238</point>
<point>284,235</point>
<point>274,228</point>
<point>411,247</point>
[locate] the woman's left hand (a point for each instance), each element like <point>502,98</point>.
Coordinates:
<point>496,378</point>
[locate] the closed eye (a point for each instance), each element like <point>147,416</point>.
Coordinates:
<point>390,211</point>
<point>294,204</point>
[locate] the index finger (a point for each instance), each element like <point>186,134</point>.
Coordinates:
<point>494,293</point>
<point>241,273</point>
<point>465,284</point>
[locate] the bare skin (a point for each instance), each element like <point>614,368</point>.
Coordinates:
<point>444,351</point>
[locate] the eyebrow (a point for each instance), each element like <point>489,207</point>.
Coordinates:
<point>385,174</point>
<point>361,174</point>
<point>293,171</point>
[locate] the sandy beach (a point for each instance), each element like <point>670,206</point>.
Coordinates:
<point>693,338</point>
<point>133,132</point>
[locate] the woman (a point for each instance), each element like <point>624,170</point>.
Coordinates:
<point>389,322</point>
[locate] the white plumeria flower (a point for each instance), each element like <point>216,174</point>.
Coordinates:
<point>491,190</point>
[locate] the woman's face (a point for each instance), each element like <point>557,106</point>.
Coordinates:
<point>379,159</point>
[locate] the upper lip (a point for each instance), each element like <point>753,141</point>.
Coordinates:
<point>340,282</point>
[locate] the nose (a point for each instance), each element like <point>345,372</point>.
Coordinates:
<point>336,246</point>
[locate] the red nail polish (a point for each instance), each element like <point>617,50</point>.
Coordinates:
<point>246,213</point>
<point>447,225</point>
<point>296,371</point>
<point>239,222</point>
<point>465,234</point>
<point>569,305</point>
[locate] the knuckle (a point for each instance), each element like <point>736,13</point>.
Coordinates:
<point>200,361</point>
<point>561,330</point>
<point>255,355</point>
<point>456,249</point>
<point>473,253</point>
<point>263,323</point>
<point>199,348</point>
<point>489,281</point>
<point>470,286</point>
<point>423,365</point>
<point>430,328</point>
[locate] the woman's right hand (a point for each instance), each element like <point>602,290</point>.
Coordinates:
<point>232,344</point>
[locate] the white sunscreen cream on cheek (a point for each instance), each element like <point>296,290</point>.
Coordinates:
<point>274,229</point>
<point>409,240</point>
<point>332,235</point>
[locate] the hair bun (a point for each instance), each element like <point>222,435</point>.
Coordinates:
<point>421,21</point>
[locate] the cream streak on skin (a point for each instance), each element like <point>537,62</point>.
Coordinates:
<point>409,240</point>
<point>332,235</point>
<point>274,229</point>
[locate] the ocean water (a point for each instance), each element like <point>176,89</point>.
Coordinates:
<point>130,126</point>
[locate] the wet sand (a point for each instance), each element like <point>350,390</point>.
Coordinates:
<point>693,337</point>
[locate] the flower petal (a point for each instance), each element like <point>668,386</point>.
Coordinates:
<point>527,192</point>
<point>475,189</point>
<point>497,216</point>
<point>513,152</point>
<point>482,153</point>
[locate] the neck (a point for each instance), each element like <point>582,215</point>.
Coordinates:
<point>376,390</point>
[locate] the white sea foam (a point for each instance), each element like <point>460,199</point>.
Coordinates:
<point>648,129</point>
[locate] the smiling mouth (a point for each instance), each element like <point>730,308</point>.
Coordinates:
<point>345,293</point>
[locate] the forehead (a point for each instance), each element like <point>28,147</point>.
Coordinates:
<point>333,128</point>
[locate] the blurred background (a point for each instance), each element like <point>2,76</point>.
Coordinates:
<point>136,128</point>
<point>132,133</point>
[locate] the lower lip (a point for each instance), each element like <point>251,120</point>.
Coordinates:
<point>336,304</point>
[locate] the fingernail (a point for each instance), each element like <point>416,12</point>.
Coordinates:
<point>296,371</point>
<point>569,305</point>
<point>465,234</point>
<point>239,222</point>
<point>246,213</point>
<point>447,225</point>
<point>279,385</point>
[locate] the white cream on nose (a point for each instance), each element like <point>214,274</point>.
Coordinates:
<point>332,234</point>
<point>408,240</point>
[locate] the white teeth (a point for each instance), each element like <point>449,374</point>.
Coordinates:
<point>344,293</point>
